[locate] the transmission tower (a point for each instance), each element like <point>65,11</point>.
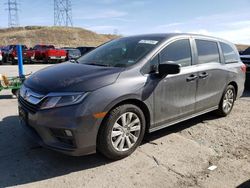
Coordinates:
<point>13,13</point>
<point>63,13</point>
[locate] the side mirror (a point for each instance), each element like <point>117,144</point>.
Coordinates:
<point>168,68</point>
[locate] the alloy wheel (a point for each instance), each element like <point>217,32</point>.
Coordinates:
<point>228,100</point>
<point>125,131</point>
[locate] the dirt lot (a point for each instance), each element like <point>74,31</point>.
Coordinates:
<point>177,156</point>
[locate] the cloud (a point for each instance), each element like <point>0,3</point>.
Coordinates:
<point>229,26</point>
<point>138,3</point>
<point>239,35</point>
<point>102,14</point>
<point>123,19</point>
<point>102,28</point>
<point>108,1</point>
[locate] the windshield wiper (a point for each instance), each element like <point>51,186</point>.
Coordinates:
<point>95,64</point>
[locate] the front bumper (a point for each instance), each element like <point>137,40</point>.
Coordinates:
<point>25,59</point>
<point>47,128</point>
<point>57,58</point>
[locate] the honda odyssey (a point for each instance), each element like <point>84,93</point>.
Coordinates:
<point>109,98</point>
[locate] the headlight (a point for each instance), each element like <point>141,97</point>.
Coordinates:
<point>54,100</point>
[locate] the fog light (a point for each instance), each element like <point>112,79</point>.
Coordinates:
<point>68,133</point>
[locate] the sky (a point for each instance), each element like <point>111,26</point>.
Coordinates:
<point>228,19</point>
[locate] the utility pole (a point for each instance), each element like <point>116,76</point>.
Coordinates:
<point>63,13</point>
<point>13,13</point>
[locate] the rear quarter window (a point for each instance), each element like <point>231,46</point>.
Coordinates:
<point>229,54</point>
<point>208,51</point>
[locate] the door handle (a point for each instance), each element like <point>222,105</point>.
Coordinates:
<point>203,75</point>
<point>191,78</point>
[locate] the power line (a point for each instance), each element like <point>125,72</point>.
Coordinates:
<point>13,13</point>
<point>63,13</point>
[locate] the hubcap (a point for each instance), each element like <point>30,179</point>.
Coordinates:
<point>126,131</point>
<point>228,101</point>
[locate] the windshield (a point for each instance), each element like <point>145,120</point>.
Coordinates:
<point>23,47</point>
<point>121,52</point>
<point>74,52</point>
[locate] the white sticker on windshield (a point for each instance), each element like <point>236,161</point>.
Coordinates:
<point>154,42</point>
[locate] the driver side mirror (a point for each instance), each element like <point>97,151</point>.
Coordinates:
<point>168,67</point>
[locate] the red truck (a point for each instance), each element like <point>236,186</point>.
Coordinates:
<point>47,54</point>
<point>9,54</point>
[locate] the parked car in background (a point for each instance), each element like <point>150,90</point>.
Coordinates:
<point>245,58</point>
<point>72,53</point>
<point>1,57</point>
<point>48,54</point>
<point>9,54</point>
<point>246,51</point>
<point>85,49</point>
<point>129,86</point>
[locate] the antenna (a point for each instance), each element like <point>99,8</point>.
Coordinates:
<point>63,13</point>
<point>13,13</point>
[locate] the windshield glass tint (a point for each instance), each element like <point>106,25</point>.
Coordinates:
<point>121,52</point>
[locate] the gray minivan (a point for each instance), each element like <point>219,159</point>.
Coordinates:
<point>110,97</point>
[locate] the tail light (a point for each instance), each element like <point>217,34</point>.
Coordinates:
<point>244,68</point>
<point>14,53</point>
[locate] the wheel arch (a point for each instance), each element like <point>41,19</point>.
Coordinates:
<point>234,84</point>
<point>134,101</point>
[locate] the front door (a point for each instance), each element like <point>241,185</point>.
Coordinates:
<point>175,95</point>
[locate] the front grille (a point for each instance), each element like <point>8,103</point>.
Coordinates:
<point>27,105</point>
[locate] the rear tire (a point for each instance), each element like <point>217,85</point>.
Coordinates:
<point>227,101</point>
<point>121,132</point>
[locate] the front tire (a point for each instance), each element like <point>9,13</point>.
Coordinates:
<point>121,132</point>
<point>227,101</point>
<point>15,92</point>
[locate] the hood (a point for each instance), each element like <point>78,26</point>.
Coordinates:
<point>71,77</point>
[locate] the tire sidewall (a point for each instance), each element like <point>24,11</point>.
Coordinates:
<point>230,87</point>
<point>112,118</point>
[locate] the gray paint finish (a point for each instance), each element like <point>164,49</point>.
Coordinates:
<point>168,100</point>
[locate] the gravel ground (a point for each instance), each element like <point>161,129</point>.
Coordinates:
<point>178,156</point>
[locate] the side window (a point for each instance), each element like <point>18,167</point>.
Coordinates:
<point>229,53</point>
<point>208,51</point>
<point>179,52</point>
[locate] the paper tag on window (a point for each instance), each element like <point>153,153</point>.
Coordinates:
<point>154,42</point>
